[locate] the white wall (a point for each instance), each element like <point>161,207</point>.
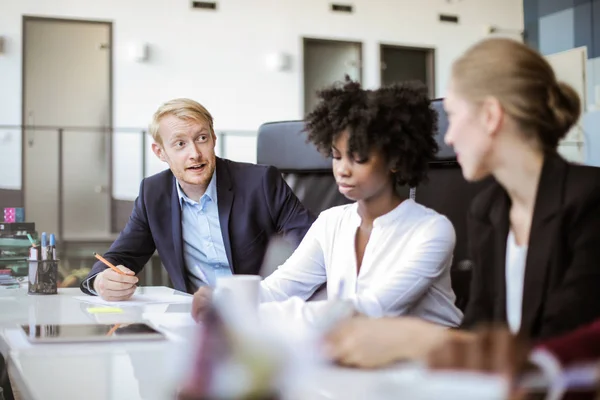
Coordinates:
<point>10,157</point>
<point>218,58</point>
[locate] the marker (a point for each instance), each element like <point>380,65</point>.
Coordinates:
<point>43,245</point>
<point>52,251</point>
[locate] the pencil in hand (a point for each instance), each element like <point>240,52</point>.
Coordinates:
<point>108,264</point>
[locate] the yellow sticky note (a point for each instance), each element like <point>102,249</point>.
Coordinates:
<point>105,310</point>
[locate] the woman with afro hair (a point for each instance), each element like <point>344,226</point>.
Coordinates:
<point>385,253</point>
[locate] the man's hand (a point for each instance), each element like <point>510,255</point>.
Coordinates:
<point>201,303</point>
<point>112,286</point>
<point>376,342</point>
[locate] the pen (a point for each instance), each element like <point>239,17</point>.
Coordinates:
<point>108,264</point>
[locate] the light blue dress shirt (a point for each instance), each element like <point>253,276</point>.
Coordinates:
<point>203,248</point>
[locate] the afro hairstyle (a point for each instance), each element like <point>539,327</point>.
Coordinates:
<point>398,120</point>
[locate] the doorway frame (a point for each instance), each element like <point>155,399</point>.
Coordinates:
<point>430,63</point>
<point>310,39</point>
<point>110,129</point>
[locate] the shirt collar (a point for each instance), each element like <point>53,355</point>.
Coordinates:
<point>388,218</point>
<point>211,191</point>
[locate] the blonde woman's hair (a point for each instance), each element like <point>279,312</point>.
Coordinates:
<point>525,85</point>
<point>185,109</point>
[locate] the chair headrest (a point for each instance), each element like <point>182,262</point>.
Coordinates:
<point>284,145</point>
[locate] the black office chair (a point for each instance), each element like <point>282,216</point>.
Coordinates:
<point>308,172</point>
<point>5,388</point>
<point>448,193</point>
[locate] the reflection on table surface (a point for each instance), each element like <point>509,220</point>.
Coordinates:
<point>64,308</point>
<point>154,369</point>
<point>148,373</point>
<point>154,374</point>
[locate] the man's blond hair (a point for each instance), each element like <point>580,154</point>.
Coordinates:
<point>185,109</point>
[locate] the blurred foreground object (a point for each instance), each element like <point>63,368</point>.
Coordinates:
<point>235,359</point>
<point>530,371</point>
<point>489,349</point>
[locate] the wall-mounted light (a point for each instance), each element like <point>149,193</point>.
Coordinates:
<point>491,29</point>
<point>139,52</point>
<point>278,62</point>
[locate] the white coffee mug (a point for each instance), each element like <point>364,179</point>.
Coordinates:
<point>239,290</point>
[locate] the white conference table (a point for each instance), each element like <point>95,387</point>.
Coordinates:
<point>152,369</point>
<point>119,370</point>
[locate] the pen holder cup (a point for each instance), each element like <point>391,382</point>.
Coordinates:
<point>43,277</point>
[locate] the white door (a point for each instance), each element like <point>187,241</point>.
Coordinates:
<point>327,62</point>
<point>67,78</point>
<point>400,64</point>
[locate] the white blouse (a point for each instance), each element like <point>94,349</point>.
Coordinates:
<point>405,268</point>
<point>516,257</point>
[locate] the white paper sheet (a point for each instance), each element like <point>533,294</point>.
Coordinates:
<point>178,326</point>
<point>138,300</point>
<point>170,320</point>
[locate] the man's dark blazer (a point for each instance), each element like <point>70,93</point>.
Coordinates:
<point>254,203</point>
<point>562,275</point>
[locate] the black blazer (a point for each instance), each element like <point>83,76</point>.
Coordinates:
<point>562,275</point>
<point>254,204</point>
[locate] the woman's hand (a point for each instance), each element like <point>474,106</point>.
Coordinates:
<point>493,350</point>
<point>377,342</point>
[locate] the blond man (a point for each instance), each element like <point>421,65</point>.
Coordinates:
<point>206,216</point>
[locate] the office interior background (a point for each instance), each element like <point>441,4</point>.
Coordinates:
<point>80,80</point>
